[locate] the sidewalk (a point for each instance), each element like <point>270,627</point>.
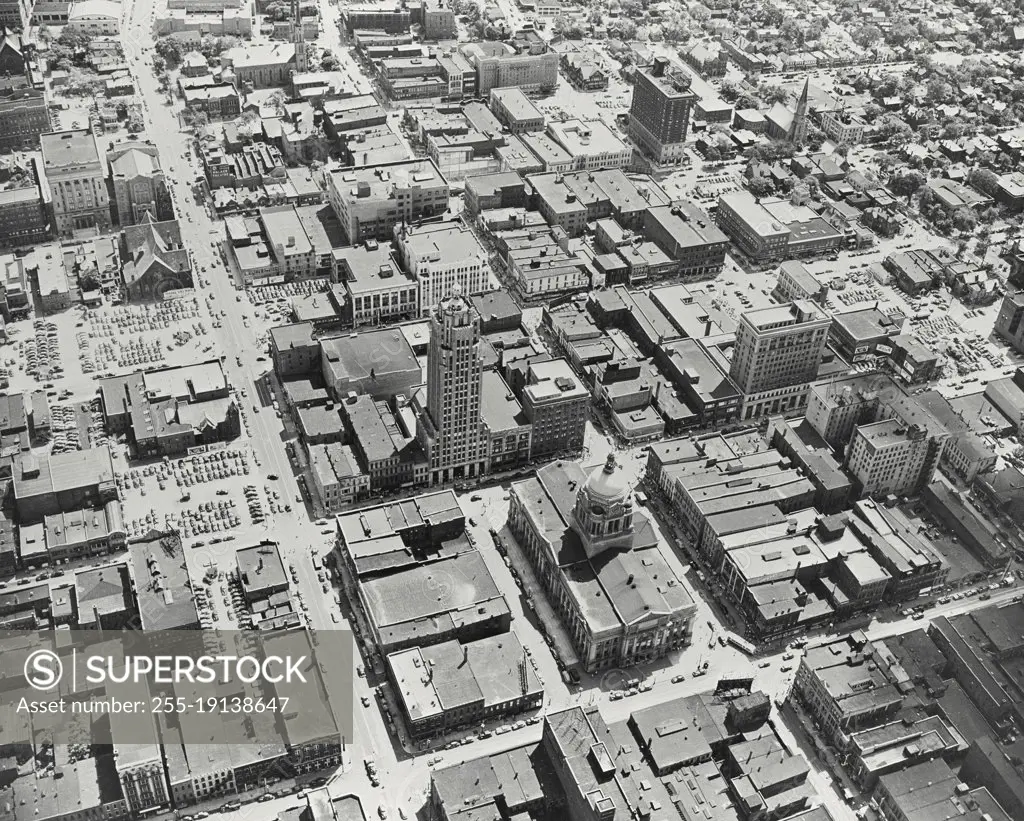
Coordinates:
<point>546,615</point>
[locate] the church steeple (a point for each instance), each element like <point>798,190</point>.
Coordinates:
<point>299,39</point>
<point>798,130</point>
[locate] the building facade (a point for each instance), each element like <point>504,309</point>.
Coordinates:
<point>659,115</point>
<point>139,184</point>
<point>450,428</point>
<point>23,114</point>
<point>77,180</point>
<point>777,354</point>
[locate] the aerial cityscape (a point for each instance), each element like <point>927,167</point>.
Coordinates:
<point>619,406</point>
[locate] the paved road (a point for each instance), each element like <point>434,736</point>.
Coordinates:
<point>238,335</point>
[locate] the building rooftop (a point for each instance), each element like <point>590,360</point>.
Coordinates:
<point>63,149</point>
<point>444,677</point>
<point>369,354</point>
<point>285,232</point>
<point>583,139</point>
<point>516,103</point>
<point>57,473</point>
<point>756,217</point>
<point>441,244</point>
<point>369,267</point>
<point>381,182</point>
<point>162,584</point>
<point>421,601</point>
<point>260,568</point>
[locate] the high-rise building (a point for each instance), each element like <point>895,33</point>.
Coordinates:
<point>449,427</point>
<point>1010,321</point>
<point>77,178</point>
<point>891,457</point>
<point>776,356</point>
<point>299,38</point>
<point>660,113</point>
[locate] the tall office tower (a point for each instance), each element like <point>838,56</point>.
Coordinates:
<point>299,38</point>
<point>776,356</point>
<point>798,129</point>
<point>450,430</point>
<point>660,113</point>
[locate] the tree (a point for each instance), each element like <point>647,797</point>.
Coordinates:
<point>867,35</point>
<point>900,33</point>
<point>88,282</point>
<point>278,11</point>
<point>894,131</point>
<point>772,94</point>
<point>622,29</point>
<point>772,151</point>
<point>169,48</point>
<point>907,184</point>
<point>842,149</point>
<point>985,181</point>
<point>964,219</point>
<point>885,161</point>
<point>761,187</point>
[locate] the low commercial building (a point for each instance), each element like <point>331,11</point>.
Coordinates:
<point>336,476</point>
<point>400,554</point>
<point>389,453</point>
<point>592,145</point>
<point>370,202</point>
<point>515,110</point>
<point>47,485</point>
<point>452,685</point>
<point>380,363</point>
<point>294,349</point>
<point>95,17</point>
<point>54,290</point>
<point>703,380</point>
<point>378,291</point>
<point>924,791</point>
<point>850,684</point>
<point>796,282</point>
<point>689,237</point>
<point>440,257</point>
<point>756,232</point>
<point>76,534</point>
<point>484,192</point>
<point>864,334</point>
<point>571,200</point>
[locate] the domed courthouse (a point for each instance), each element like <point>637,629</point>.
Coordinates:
<point>619,596</point>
